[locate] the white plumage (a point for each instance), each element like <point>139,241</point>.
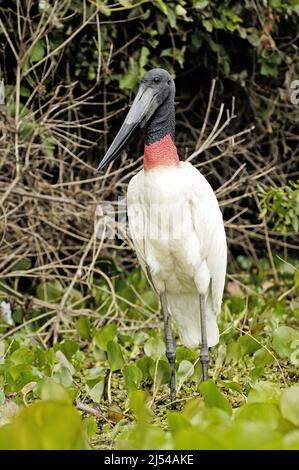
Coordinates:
<point>178,234</point>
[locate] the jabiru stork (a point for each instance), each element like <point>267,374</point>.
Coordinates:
<point>175,223</point>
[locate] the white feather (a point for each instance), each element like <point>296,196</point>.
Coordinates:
<point>178,234</point>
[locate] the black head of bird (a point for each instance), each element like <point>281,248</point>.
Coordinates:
<point>153,107</point>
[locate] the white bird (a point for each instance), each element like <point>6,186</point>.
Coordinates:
<point>175,223</point>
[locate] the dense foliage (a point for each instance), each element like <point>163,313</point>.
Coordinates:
<point>70,68</point>
<point>118,373</point>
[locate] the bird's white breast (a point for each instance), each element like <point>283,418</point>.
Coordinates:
<point>171,247</point>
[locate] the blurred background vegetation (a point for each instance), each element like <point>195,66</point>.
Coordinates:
<point>74,309</point>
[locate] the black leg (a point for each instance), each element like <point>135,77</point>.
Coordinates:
<point>170,348</point>
<point>204,351</point>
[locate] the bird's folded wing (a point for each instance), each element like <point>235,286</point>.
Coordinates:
<point>209,227</point>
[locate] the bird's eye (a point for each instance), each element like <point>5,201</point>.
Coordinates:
<point>168,82</point>
<point>156,79</point>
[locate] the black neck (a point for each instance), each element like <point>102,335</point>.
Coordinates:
<point>162,123</point>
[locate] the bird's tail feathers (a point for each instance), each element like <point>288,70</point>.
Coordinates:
<point>185,310</point>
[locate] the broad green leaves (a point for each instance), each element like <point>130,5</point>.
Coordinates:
<point>184,372</point>
<point>213,397</point>
<point>45,426</point>
<point>105,335</point>
<point>133,377</point>
<point>37,52</point>
<point>286,343</point>
<point>154,348</point>
<point>52,391</point>
<point>289,404</point>
<point>260,424</point>
<point>83,327</point>
<point>264,392</point>
<point>51,291</point>
<point>96,392</point>
<point>115,357</point>
<point>260,412</point>
<point>125,374</point>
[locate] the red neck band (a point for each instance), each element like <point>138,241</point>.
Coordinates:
<point>161,153</point>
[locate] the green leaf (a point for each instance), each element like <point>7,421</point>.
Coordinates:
<point>46,425</point>
<point>269,70</point>
<point>63,376</point>
<point>38,51</point>
<point>177,421</point>
<point>129,79</point>
<point>213,397</point>
<point>294,356</point>
<point>267,392</point>
<point>26,130</point>
<point>295,223</point>
<point>115,357</point>
<point>48,145</point>
<point>291,439</point>
<point>175,53</point>
<point>22,265</point>
<point>52,391</point>
<point>68,347</point>
<point>262,358</point>
<point>154,348</point>
<point>83,327</point>
<point>160,372</point>
<point>96,392</point>
<point>138,405</point>
<point>183,353</point>
<point>162,6</point>
<point>184,372</point>
<point>125,3</point>
<point>51,291</point>
<point>231,385</point>
<point>282,340</point>
<point>244,262</point>
<point>103,8</point>
<point>243,435</point>
<point>233,353</point>
<point>144,57</point>
<point>256,373</point>
<point>267,413</point>
<point>296,278</point>
<point>22,356</point>
<point>64,362</point>
<point>145,364</point>
<point>91,426</point>
<point>208,25</point>
<point>248,345</point>
<point>106,334</point>
<point>193,439</point>
<point>133,377</point>
<point>200,4</point>
<point>76,299</point>
<point>24,91</point>
<point>289,404</point>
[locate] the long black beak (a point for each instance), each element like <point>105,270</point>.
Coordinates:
<point>143,107</point>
